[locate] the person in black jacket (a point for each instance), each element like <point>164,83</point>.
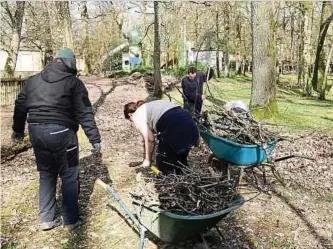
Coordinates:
<point>54,102</point>
<point>192,85</point>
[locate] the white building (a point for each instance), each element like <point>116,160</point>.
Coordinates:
<point>28,62</point>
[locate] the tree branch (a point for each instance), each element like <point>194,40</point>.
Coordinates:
<point>146,32</point>
<point>327,21</point>
<point>6,7</point>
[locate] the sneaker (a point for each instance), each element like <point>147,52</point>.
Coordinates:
<point>72,227</point>
<point>45,226</point>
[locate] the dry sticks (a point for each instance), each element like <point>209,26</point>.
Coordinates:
<point>238,127</point>
<point>197,191</point>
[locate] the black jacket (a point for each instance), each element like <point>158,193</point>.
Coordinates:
<point>56,96</point>
<point>193,89</point>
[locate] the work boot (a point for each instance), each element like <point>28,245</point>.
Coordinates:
<point>45,226</point>
<point>72,227</point>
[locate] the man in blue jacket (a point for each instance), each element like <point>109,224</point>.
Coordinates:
<point>192,86</point>
<point>54,102</point>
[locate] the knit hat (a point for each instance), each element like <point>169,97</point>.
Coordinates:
<point>69,57</point>
<point>66,53</point>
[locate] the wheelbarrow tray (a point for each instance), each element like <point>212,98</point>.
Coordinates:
<point>170,227</point>
<point>235,153</point>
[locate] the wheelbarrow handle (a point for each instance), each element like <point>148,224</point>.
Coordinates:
<point>292,156</point>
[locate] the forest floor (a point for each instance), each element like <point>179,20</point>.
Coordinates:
<point>299,215</point>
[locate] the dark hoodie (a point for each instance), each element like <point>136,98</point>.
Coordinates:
<point>56,96</point>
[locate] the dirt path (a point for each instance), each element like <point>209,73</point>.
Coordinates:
<point>298,216</point>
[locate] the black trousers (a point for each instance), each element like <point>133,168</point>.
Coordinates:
<point>57,153</point>
<point>168,161</point>
<point>177,134</point>
<point>193,107</point>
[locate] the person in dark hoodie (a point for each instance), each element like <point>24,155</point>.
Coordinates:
<point>192,85</point>
<point>54,102</point>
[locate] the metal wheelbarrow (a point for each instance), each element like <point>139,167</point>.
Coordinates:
<point>235,153</point>
<point>243,155</point>
<point>167,226</point>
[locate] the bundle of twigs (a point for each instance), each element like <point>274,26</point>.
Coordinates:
<point>197,191</point>
<point>9,153</point>
<point>238,127</point>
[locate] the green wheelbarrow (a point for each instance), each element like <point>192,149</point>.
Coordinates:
<point>170,227</point>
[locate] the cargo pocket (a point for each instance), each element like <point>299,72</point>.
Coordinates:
<point>73,156</point>
<point>45,160</point>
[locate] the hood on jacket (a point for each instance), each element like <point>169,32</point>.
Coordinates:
<point>58,70</point>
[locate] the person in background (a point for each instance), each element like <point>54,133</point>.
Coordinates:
<point>174,128</point>
<point>192,85</point>
<point>56,102</point>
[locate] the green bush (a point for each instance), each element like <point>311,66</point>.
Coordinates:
<point>182,71</point>
<point>142,69</point>
<point>116,74</point>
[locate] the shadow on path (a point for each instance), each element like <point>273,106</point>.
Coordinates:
<point>92,168</point>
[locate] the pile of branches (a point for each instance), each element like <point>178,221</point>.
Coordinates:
<point>9,153</point>
<point>239,127</point>
<point>197,191</point>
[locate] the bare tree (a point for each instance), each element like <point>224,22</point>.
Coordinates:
<point>318,79</point>
<point>305,46</point>
<point>264,59</point>
<point>217,41</point>
<point>13,17</point>
<point>66,20</point>
<point>226,38</point>
<point>86,39</point>
<point>157,54</point>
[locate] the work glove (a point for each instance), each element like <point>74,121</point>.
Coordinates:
<point>17,137</point>
<point>145,163</point>
<point>97,148</point>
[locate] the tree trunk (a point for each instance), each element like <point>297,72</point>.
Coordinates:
<point>86,42</point>
<point>292,28</point>
<point>264,60</point>
<point>157,54</point>
<point>327,87</point>
<point>238,64</point>
<point>319,65</point>
<point>64,14</point>
<point>16,22</point>
<point>217,44</point>
<point>226,40</point>
<point>48,56</point>
<point>305,50</point>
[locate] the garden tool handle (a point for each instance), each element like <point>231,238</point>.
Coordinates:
<point>101,183</point>
<point>156,171</point>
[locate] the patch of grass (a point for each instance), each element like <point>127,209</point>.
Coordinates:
<point>9,245</point>
<point>330,197</point>
<point>281,244</point>
<point>18,204</point>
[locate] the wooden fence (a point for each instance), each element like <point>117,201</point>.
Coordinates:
<point>9,89</point>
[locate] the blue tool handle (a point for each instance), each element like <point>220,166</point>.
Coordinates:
<point>117,198</point>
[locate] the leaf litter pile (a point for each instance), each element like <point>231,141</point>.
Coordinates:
<point>239,127</point>
<point>198,191</point>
